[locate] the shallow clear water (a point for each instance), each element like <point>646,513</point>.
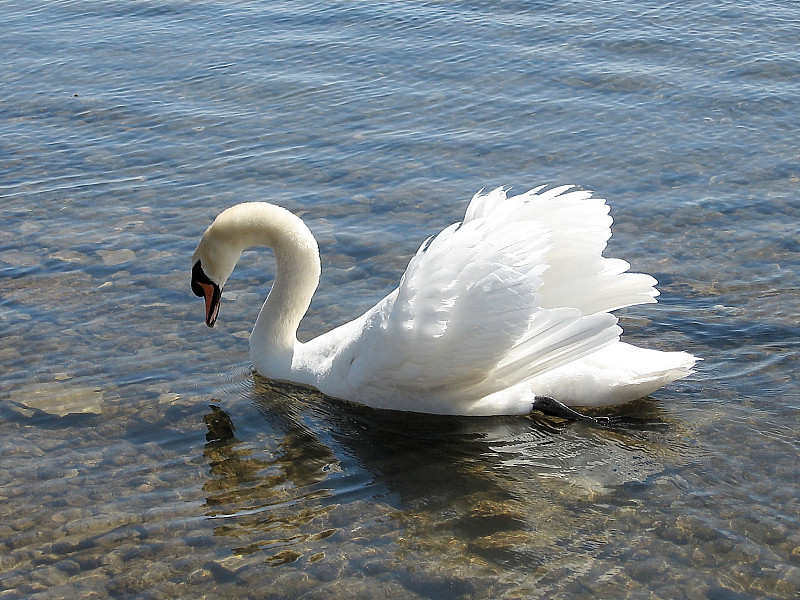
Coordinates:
<point>139,456</point>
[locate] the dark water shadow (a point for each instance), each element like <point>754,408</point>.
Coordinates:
<point>284,463</point>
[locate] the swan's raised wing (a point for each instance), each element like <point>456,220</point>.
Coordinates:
<point>579,227</point>
<point>484,305</point>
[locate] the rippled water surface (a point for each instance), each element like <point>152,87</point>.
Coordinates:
<point>141,458</point>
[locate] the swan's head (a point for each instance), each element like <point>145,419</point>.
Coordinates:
<point>213,262</point>
<point>254,224</point>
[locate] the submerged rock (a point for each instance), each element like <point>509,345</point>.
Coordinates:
<point>60,398</point>
<point>112,258</point>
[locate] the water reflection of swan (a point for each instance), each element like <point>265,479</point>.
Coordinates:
<point>303,471</point>
<point>266,497</point>
<point>496,315</point>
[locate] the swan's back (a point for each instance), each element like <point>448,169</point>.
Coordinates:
<point>517,290</point>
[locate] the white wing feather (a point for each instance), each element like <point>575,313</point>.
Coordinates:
<point>517,289</point>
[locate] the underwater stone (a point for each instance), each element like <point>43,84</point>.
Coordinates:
<point>58,398</point>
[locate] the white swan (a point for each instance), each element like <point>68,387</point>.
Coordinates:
<point>498,314</point>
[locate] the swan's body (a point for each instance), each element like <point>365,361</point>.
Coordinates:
<point>509,305</point>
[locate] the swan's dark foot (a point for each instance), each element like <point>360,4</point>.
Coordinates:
<point>554,408</point>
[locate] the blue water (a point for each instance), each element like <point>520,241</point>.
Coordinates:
<point>139,456</point>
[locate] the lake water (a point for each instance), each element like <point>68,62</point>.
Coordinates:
<point>141,458</point>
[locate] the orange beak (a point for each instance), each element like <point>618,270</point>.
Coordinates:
<point>203,286</point>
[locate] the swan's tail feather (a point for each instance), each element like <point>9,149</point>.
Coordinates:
<point>614,374</point>
<point>664,366</point>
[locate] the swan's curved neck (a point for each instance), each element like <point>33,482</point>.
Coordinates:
<point>296,278</point>
<point>297,273</point>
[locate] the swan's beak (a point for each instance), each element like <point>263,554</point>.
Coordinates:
<point>204,287</point>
